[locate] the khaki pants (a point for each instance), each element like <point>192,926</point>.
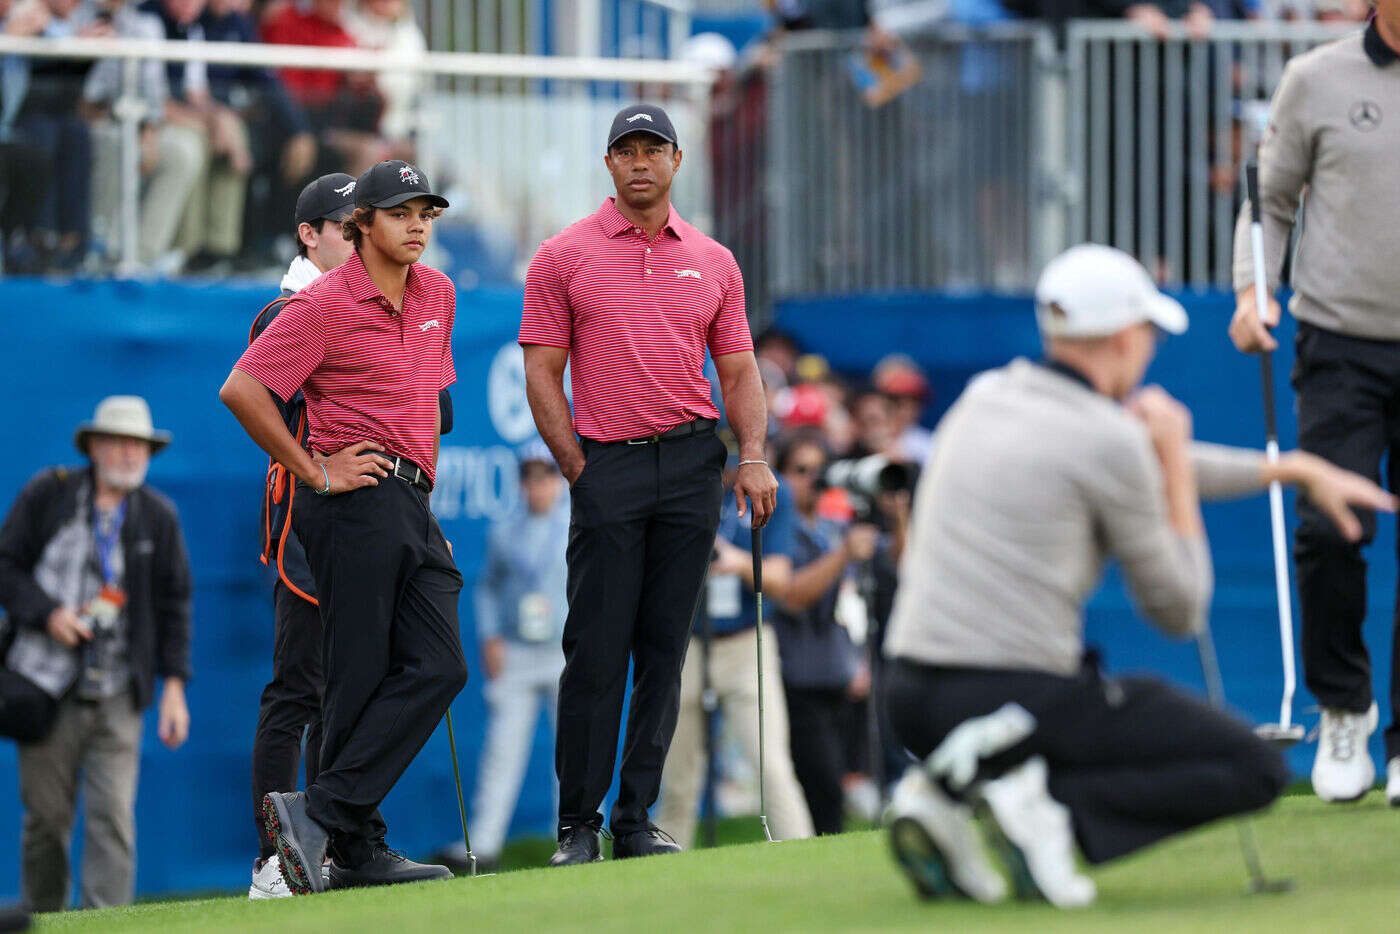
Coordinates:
<point>213,218</point>
<point>179,164</point>
<point>99,744</point>
<point>734,679</point>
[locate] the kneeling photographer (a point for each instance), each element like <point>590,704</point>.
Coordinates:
<point>831,607</point>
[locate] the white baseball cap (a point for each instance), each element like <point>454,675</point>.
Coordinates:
<point>1094,291</point>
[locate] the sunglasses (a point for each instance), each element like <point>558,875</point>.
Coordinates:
<point>803,470</point>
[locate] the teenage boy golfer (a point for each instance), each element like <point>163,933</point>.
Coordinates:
<point>369,345</point>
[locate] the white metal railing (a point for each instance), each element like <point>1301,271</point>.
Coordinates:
<point>519,138</point>
<point>1157,133</point>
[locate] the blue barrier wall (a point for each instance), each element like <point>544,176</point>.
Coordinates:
<point>955,337</point>
<point>67,345</point>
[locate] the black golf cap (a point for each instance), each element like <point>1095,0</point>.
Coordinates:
<point>642,118</point>
<point>330,197</point>
<point>389,184</point>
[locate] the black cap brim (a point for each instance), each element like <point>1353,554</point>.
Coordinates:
<point>403,197</point>
<point>648,130</point>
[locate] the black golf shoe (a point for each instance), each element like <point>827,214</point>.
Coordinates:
<point>577,845</point>
<point>385,867</point>
<point>649,841</point>
<point>301,842</point>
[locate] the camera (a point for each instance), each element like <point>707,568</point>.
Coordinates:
<point>870,476</point>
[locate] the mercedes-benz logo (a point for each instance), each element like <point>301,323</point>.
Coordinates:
<point>1365,115</point>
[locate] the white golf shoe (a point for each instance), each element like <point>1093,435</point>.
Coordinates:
<point>1392,782</point>
<point>268,881</point>
<point>937,844</point>
<point>1033,832</point>
<point>1343,770</point>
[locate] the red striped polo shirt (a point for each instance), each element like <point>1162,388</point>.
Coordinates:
<point>636,316</point>
<point>368,374</point>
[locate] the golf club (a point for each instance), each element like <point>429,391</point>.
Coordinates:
<point>1285,732</point>
<point>756,543</point>
<point>461,804</point>
<point>1249,846</point>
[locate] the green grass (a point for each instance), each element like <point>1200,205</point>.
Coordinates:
<point>1345,860</point>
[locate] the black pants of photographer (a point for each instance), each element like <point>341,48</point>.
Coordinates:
<point>1349,413</point>
<point>291,705</point>
<point>642,529</point>
<point>815,736</point>
<point>1133,759</point>
<point>391,650</point>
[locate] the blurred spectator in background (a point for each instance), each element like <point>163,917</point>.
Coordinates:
<point>1155,16</point>
<point>39,108</point>
<point>780,349</point>
<point>94,573</point>
<point>876,431</point>
<point>728,601</point>
<point>282,145</point>
<point>904,384</point>
<point>211,228</point>
<point>521,602</point>
<point>389,26</point>
<point>344,107</point>
<point>170,158</point>
<point>25,177</point>
<point>822,671</point>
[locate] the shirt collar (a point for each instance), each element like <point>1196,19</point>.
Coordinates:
<point>613,223</point>
<point>362,287</point>
<point>1069,372</point>
<point>1377,51</point>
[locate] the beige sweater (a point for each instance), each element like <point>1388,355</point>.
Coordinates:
<point>1335,128</point>
<point>1035,482</point>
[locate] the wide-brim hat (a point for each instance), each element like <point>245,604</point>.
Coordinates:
<point>122,417</point>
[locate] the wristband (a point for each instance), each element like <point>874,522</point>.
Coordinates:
<point>743,463</point>
<point>325,474</point>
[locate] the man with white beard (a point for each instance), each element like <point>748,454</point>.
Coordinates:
<point>95,578</point>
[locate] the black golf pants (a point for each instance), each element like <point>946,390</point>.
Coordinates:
<point>1349,413</point>
<point>291,704</point>
<point>642,529</point>
<point>391,650</point>
<point>1133,759</point>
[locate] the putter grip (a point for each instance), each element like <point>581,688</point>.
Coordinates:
<point>756,544</point>
<point>1251,190</point>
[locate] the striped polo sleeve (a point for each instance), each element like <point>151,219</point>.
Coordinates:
<point>546,317</point>
<point>729,331</point>
<point>288,350</point>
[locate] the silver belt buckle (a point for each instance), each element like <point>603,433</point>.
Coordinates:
<point>650,439</point>
<point>410,480</point>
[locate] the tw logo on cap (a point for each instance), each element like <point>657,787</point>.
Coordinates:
<point>345,189</point>
<point>635,117</point>
<point>408,176</point>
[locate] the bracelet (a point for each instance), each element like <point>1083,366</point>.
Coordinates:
<point>743,463</point>
<point>327,475</point>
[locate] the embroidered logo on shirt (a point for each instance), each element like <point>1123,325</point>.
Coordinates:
<point>635,117</point>
<point>429,325</point>
<point>687,274</point>
<point>1365,115</point>
<point>345,189</point>
<point>408,176</point>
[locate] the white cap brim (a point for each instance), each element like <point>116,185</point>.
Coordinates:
<point>1167,313</point>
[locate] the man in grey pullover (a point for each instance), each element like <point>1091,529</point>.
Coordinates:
<point>1334,129</point>
<point>1041,473</point>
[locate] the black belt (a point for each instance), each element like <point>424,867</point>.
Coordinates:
<point>410,473</point>
<point>698,426</point>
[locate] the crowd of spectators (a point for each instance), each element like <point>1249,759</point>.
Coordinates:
<point>847,455</point>
<point>223,150</point>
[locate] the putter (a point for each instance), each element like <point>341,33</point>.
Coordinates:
<point>756,544</point>
<point>461,804</point>
<point>1285,732</point>
<point>1249,846</point>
